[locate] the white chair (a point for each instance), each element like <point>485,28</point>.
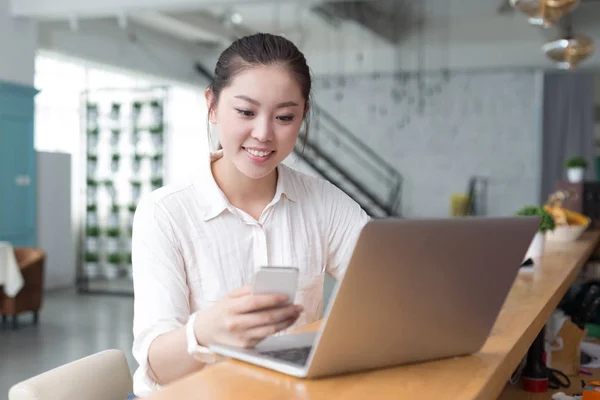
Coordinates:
<point>101,376</point>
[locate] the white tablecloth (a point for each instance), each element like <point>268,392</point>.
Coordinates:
<point>10,274</point>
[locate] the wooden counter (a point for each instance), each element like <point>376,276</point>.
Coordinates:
<point>483,375</point>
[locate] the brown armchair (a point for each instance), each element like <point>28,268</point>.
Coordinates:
<point>31,263</point>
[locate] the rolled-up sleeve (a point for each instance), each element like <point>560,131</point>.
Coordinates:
<point>160,286</point>
<point>345,220</point>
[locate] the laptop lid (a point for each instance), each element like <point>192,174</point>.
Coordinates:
<point>419,290</point>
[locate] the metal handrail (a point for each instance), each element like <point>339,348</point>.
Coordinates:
<point>347,133</point>
<point>364,155</point>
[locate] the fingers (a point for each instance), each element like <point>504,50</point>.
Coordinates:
<point>241,291</point>
<point>244,322</point>
<point>257,302</point>
<point>257,334</point>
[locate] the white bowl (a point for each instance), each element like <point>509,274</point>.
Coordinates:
<point>566,233</point>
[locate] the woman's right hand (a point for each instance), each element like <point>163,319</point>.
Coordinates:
<point>243,319</point>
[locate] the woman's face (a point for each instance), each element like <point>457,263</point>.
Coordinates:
<point>258,118</point>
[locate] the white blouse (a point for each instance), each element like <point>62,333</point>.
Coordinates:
<point>190,247</point>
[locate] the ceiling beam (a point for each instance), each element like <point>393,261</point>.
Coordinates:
<point>59,9</point>
<point>204,30</point>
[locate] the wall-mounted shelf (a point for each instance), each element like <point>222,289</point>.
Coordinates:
<point>124,148</point>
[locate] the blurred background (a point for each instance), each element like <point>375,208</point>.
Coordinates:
<point>431,108</point>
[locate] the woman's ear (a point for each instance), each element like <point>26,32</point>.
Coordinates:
<point>306,109</point>
<point>211,105</point>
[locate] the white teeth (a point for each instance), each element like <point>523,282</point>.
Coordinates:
<point>258,153</point>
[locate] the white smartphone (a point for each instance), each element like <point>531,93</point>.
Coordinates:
<point>281,280</point>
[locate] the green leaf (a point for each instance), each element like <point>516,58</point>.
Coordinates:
<point>92,231</point>
<point>114,258</point>
<point>547,223</point>
<point>91,257</point>
<point>113,232</point>
<point>156,182</point>
<point>576,162</point>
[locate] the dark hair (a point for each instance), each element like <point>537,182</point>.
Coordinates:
<point>258,50</point>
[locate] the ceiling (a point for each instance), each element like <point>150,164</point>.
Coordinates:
<point>218,21</point>
<point>316,24</point>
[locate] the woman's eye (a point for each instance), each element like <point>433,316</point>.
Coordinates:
<point>245,113</point>
<point>286,118</point>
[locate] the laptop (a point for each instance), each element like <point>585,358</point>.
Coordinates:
<point>414,291</point>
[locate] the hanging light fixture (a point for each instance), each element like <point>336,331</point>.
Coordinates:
<point>544,13</point>
<point>570,51</point>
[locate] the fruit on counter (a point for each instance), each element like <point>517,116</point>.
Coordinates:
<point>562,215</point>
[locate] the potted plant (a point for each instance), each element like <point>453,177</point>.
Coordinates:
<point>536,248</point>
<point>91,113</point>
<point>92,164</point>
<point>92,233</point>
<point>156,183</point>
<point>91,264</point>
<point>112,239</point>
<point>136,109</point>
<point>135,136</point>
<point>92,139</point>
<point>115,111</point>
<point>128,265</point>
<point>112,267</point>
<point>115,134</point>
<point>113,216</point>
<point>110,188</point>
<point>132,207</point>
<point>575,168</point>
<point>157,111</point>
<point>92,215</point>
<point>136,163</point>
<point>136,190</point>
<point>114,162</point>
<point>156,133</point>
<point>156,164</point>
<point>92,188</point>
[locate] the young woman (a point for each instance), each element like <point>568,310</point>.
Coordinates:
<point>197,246</point>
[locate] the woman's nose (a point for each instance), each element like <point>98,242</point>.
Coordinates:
<point>263,130</point>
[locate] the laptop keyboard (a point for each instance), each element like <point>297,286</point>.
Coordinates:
<point>297,355</point>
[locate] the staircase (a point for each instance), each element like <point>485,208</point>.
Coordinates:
<point>339,156</point>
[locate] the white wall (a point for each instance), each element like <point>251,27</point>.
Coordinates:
<point>479,123</point>
<point>18,42</point>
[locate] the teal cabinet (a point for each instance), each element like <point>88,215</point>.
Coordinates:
<point>17,165</point>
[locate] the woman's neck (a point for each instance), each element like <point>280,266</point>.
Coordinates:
<point>250,195</point>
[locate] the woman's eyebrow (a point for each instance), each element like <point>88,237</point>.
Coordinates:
<point>257,103</point>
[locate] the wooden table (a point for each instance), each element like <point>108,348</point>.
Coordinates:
<point>483,375</point>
